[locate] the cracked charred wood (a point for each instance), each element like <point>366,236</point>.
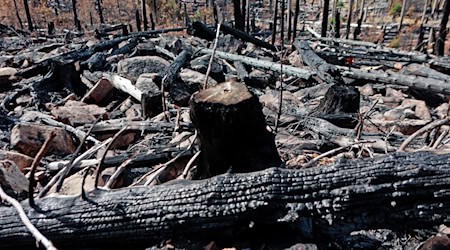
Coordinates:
<point>339,106</point>
<point>382,192</point>
<point>257,63</point>
<point>179,91</point>
<point>415,82</point>
<point>423,71</point>
<point>232,131</point>
<point>327,72</point>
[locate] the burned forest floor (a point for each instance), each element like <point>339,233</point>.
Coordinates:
<point>178,121</point>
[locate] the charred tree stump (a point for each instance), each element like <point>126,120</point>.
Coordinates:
<point>326,5</point>
<point>232,131</point>
<point>340,106</point>
<point>440,43</point>
<point>178,90</point>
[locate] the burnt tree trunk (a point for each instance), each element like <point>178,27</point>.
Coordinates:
<point>238,17</point>
<point>100,11</point>
<point>17,14</point>
<point>274,27</point>
<point>138,20</point>
<point>232,131</point>
<point>349,19</point>
<point>402,15</point>
<point>282,21</point>
<point>297,10</point>
<point>326,5</point>
<point>289,18</point>
<point>76,21</point>
<point>144,15</point>
<point>440,43</point>
<point>27,12</point>
<point>337,28</point>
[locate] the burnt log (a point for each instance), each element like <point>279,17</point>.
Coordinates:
<point>232,131</point>
<point>327,72</point>
<point>414,82</point>
<point>382,192</point>
<point>243,36</point>
<point>200,30</point>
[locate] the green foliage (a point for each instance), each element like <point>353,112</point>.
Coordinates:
<point>340,4</point>
<point>396,8</point>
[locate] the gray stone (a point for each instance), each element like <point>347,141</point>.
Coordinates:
<point>133,67</point>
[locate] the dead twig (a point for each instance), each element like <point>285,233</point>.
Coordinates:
<point>424,129</point>
<point>359,127</point>
<point>66,171</point>
<point>188,165</point>
<point>100,164</point>
<point>112,180</point>
<point>331,152</point>
<point>75,162</point>
<point>34,165</point>
<point>33,230</point>
<point>440,138</point>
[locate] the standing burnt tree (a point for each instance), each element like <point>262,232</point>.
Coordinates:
<point>440,43</point>
<point>27,12</point>
<point>100,12</point>
<point>238,15</point>
<point>144,15</point>
<point>326,5</point>
<point>17,14</point>
<point>76,22</point>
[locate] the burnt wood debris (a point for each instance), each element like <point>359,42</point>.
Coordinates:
<point>213,124</point>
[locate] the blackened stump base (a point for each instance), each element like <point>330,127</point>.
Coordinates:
<point>232,131</point>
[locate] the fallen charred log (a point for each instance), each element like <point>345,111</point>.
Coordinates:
<point>332,201</point>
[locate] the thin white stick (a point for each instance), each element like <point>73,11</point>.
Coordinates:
<point>205,84</point>
<point>33,230</point>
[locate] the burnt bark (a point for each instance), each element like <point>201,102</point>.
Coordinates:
<point>239,20</point>
<point>440,43</point>
<point>327,72</point>
<point>100,11</point>
<point>76,21</point>
<point>179,92</point>
<point>275,20</point>
<point>144,15</point>
<point>326,5</point>
<point>342,103</point>
<point>232,131</point>
<point>27,13</point>
<point>17,14</point>
<point>382,192</point>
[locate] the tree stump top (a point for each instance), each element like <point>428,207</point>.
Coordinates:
<point>227,93</point>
